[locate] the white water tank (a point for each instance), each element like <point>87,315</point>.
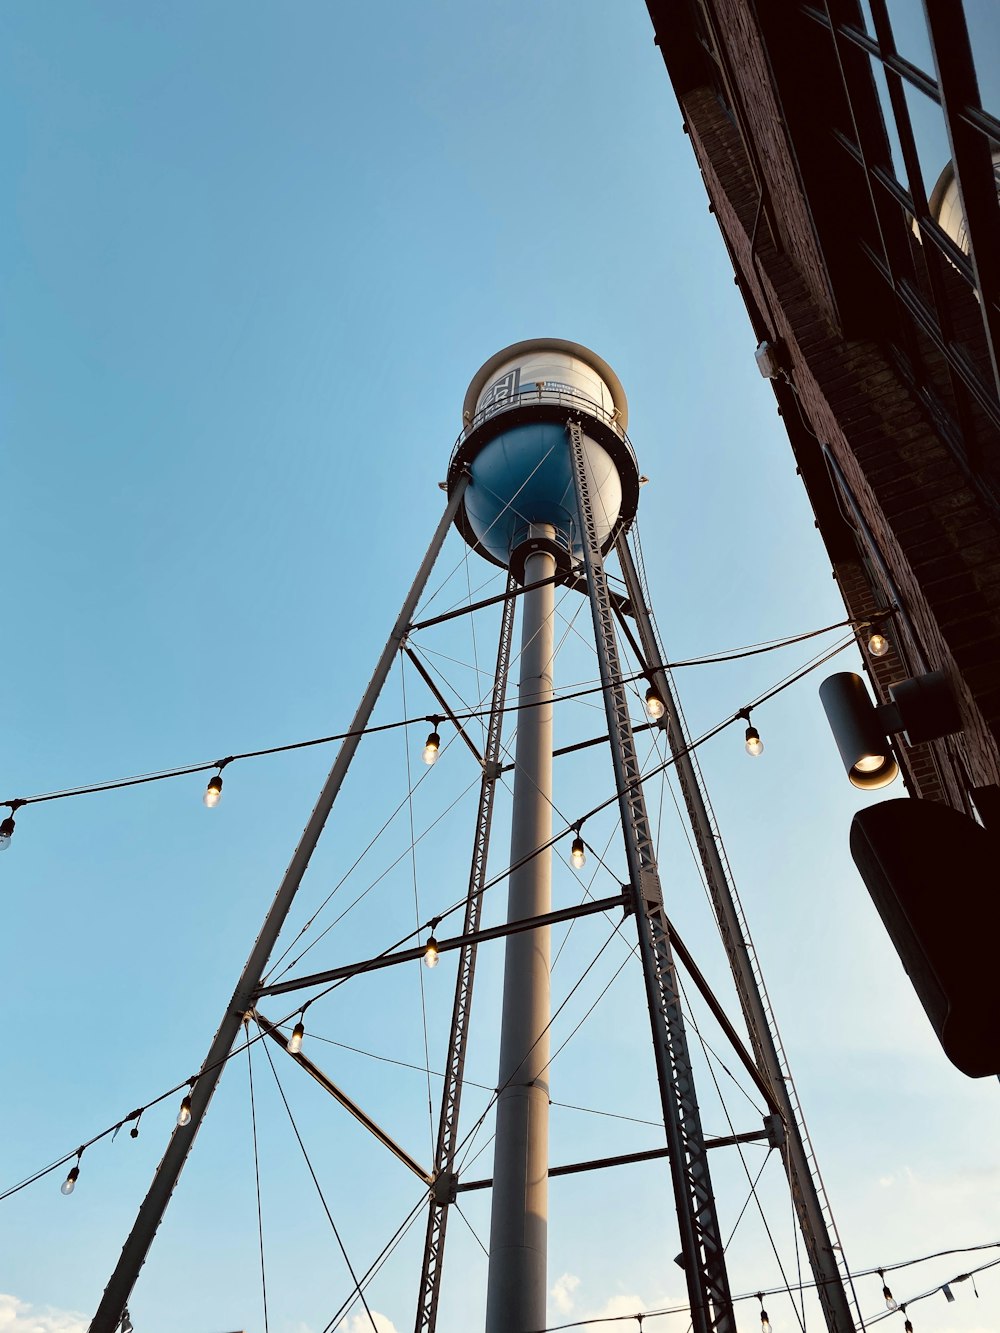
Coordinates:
<point>515,447</point>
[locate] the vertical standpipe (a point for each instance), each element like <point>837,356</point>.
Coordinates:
<point>518,1230</point>
<point>520,512</point>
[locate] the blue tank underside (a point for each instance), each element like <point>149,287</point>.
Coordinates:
<point>531,463</point>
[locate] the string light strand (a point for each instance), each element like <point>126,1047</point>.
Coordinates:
<point>186,770</point>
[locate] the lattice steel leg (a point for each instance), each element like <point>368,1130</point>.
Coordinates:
<point>812,1209</point>
<point>116,1294</point>
<point>701,1241</point>
<point>443,1191</point>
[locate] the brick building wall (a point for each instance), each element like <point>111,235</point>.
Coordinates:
<point>932,523</point>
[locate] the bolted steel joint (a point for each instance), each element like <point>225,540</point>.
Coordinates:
<point>775,1127</point>
<point>445,1188</point>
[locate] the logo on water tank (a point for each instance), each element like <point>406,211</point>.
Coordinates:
<point>502,391</point>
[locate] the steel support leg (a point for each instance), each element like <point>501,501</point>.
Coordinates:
<point>516,1288</point>
<point>442,1192</point>
<point>812,1209</point>
<point>133,1256</point>
<point>701,1240</point>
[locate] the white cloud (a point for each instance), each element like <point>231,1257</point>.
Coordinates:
<point>360,1323</point>
<point>19,1317</point>
<point>627,1303</point>
<point>562,1292</point>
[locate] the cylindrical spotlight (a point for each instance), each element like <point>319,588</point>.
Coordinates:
<point>861,739</point>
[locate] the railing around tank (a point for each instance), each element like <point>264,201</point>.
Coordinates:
<point>562,397</point>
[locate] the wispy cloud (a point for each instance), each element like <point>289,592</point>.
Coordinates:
<point>360,1323</point>
<point>625,1303</point>
<point>18,1316</point>
<point>562,1292</point>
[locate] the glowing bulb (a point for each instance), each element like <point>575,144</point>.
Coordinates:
<point>878,644</point>
<point>6,832</point>
<point>754,744</point>
<point>432,747</point>
<point>765,1323</point>
<point>184,1114</point>
<point>870,763</point>
<point>578,853</point>
<point>431,955</point>
<point>294,1044</point>
<point>890,1303</point>
<point>69,1184</point>
<point>654,704</point>
<point>213,792</point>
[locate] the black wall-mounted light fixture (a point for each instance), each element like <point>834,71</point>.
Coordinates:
<point>923,708</point>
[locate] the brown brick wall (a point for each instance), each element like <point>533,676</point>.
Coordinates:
<point>757,110</point>
<point>939,539</point>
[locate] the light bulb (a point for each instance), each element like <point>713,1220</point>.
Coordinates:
<point>878,644</point>
<point>654,704</point>
<point>295,1040</point>
<point>431,955</point>
<point>213,792</point>
<point>578,853</point>
<point>432,747</point>
<point>890,1303</point>
<point>6,832</point>
<point>754,744</point>
<point>184,1114</point>
<point>870,763</point>
<point>126,1324</point>
<point>69,1184</point>
<point>765,1323</point>
<point>907,1326</point>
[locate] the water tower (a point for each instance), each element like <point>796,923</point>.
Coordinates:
<point>542,418</point>
<point>543,482</point>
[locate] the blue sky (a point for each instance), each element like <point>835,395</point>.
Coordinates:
<point>252,257</point>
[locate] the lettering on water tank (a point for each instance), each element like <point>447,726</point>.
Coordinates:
<point>501,391</point>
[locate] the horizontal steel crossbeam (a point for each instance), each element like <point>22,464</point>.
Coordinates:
<point>625,1159</point>
<point>622,899</point>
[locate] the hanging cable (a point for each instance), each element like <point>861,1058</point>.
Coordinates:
<point>475,1233</point>
<point>373,885</point>
<point>784,684</point>
<point>319,1190</point>
<point>611,800</point>
<point>507,506</point>
<point>739,1149</point>
<point>431,956</point>
<point>269,974</point>
<point>256,1169</point>
<point>112,1130</point>
<point>377,1263</point>
<point>186,770</point>
<point>573,989</point>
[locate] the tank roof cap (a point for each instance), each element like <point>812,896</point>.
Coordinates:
<point>511,353</point>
